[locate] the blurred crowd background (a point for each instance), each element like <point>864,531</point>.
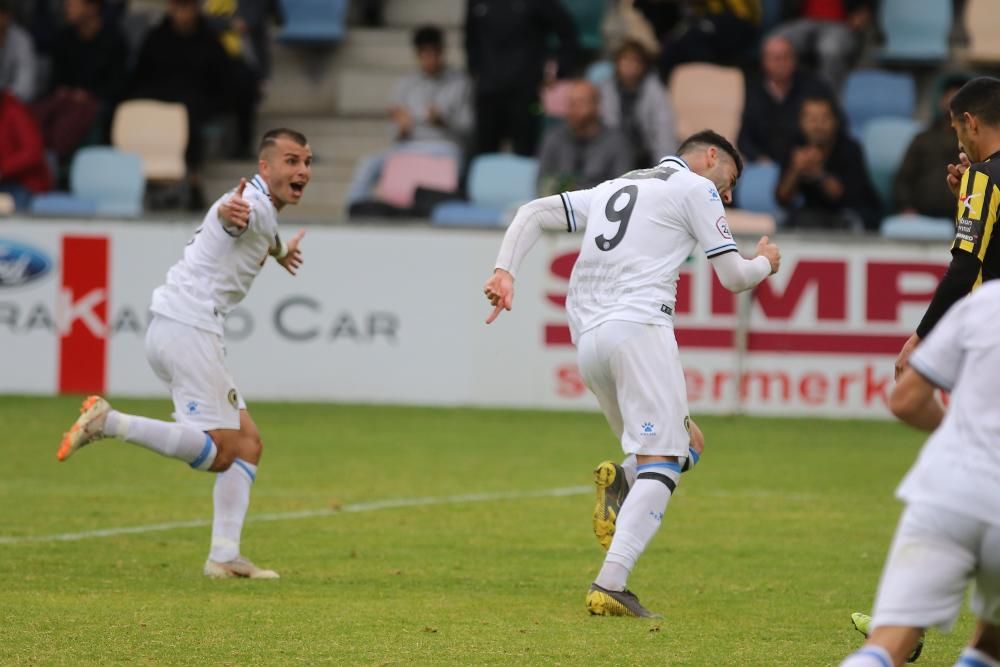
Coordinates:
<point>456,111</point>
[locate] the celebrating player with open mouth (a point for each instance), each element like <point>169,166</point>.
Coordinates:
<point>640,230</point>
<point>213,430</point>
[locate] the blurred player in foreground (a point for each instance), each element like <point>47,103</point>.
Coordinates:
<point>949,532</point>
<point>640,230</point>
<point>213,429</point>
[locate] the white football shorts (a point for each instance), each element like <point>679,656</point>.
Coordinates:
<point>935,553</point>
<point>191,362</point>
<point>635,372</point>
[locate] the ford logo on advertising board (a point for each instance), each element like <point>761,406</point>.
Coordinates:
<point>20,263</point>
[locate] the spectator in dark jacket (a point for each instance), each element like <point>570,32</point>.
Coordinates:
<point>183,61</point>
<point>771,108</point>
<point>918,187</point>
<point>583,152</point>
<point>88,77</point>
<point>824,181</point>
<point>23,170</point>
<point>507,45</point>
<point>717,31</point>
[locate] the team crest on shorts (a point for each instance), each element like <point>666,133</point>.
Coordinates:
<point>687,423</point>
<point>233,399</point>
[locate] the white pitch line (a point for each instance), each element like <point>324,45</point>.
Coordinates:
<point>390,503</point>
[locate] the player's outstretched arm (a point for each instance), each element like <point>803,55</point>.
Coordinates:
<point>288,254</point>
<point>738,274</point>
<point>556,212</point>
<point>913,401</point>
<point>235,211</point>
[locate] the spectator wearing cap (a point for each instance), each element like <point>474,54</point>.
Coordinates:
<point>18,65</point>
<point>582,152</point>
<point>635,102</point>
<point>773,99</point>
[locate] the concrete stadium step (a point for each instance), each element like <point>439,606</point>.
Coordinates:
<point>336,140</point>
<point>391,49</point>
<point>302,81</point>
<point>364,92</point>
<point>411,13</point>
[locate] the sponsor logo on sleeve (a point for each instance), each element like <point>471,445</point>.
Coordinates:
<point>968,230</point>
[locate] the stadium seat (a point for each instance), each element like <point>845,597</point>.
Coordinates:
<point>313,22</point>
<point>600,71</point>
<point>915,30</point>
<point>403,173</point>
<point>918,228</point>
<point>982,24</point>
<point>103,181</point>
<point>707,97</point>
<point>497,182</point>
<point>62,204</point>
<point>157,132</point>
<point>555,99</point>
<point>871,93</point>
<point>885,141</point>
<point>755,189</point>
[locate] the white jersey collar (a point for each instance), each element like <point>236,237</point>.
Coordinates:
<point>258,182</point>
<point>676,161</point>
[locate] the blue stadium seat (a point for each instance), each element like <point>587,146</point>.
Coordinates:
<point>497,182</point>
<point>918,228</point>
<point>871,93</point>
<point>915,30</point>
<point>314,22</point>
<point>885,141</point>
<point>755,189</point>
<point>103,181</point>
<point>602,70</point>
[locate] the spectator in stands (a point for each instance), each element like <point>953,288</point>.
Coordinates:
<point>773,100</point>
<point>88,78</point>
<point>717,31</point>
<point>635,101</point>
<point>507,44</point>
<point>23,170</point>
<point>582,152</point>
<point>824,182</point>
<point>430,112</point>
<point>18,65</point>
<point>182,60</point>
<point>918,187</point>
<point>829,31</point>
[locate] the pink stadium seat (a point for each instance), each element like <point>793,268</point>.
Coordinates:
<point>707,97</point>
<point>555,99</point>
<point>403,173</point>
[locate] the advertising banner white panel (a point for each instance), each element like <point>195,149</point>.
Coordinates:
<point>395,314</point>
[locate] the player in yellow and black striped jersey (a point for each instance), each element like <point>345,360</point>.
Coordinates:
<point>975,254</point>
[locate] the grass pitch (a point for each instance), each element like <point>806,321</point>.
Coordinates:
<point>765,550</point>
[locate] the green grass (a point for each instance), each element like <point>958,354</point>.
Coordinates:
<point>766,548</point>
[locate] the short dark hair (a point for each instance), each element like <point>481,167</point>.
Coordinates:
<point>979,97</point>
<point>428,36</point>
<point>712,138</point>
<point>636,47</point>
<point>271,137</point>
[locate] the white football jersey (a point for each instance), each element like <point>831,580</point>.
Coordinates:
<point>959,467</point>
<point>640,229</point>
<point>219,263</point>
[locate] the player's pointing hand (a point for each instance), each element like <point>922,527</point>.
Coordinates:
<point>771,251</point>
<point>499,290</point>
<point>955,172</point>
<point>235,211</point>
<point>293,257</point>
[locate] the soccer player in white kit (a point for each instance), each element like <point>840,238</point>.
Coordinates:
<point>949,532</point>
<point>213,430</point>
<point>640,230</point>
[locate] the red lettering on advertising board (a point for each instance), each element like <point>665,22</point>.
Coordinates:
<point>83,314</point>
<point>885,294</point>
<point>830,280</point>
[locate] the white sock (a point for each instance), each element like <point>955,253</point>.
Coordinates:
<point>868,656</point>
<point>975,658</point>
<point>231,498</point>
<point>639,519</point>
<point>167,438</point>
<point>630,464</point>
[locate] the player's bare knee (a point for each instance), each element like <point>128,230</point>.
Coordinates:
<point>224,457</point>
<point>253,447</point>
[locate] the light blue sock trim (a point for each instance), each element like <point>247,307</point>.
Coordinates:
<point>875,654</point>
<point>661,464</point>
<point>246,468</point>
<point>970,661</point>
<point>205,451</point>
<point>694,456</point>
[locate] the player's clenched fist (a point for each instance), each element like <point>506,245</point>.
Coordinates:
<point>499,290</point>
<point>770,250</point>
